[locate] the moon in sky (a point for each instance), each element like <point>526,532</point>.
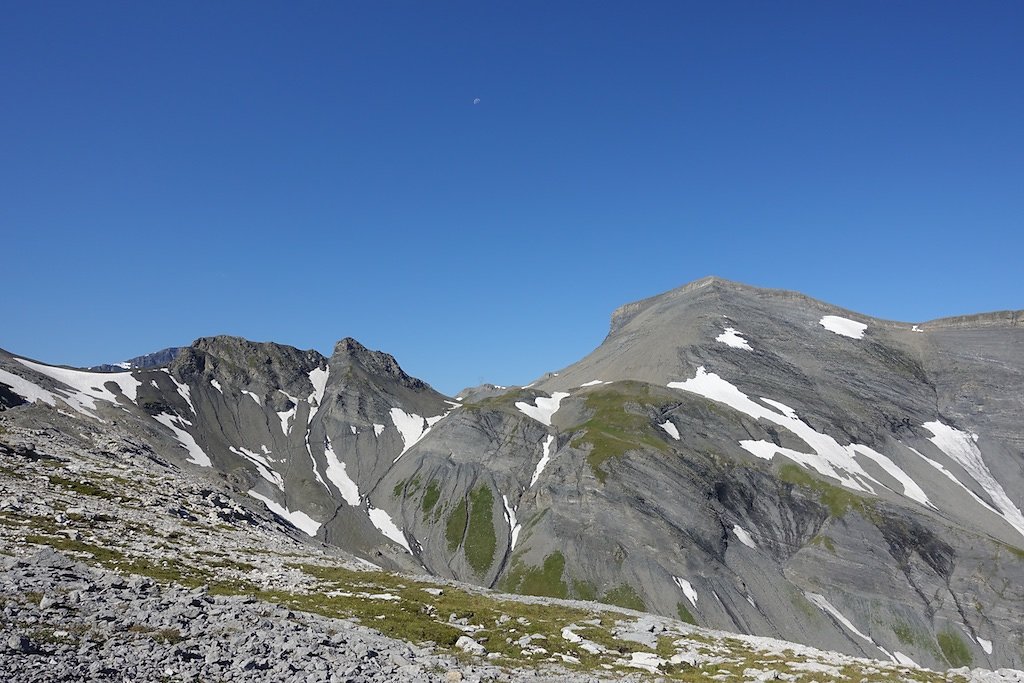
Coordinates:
<point>476,100</point>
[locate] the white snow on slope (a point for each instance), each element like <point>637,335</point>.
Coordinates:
<point>27,390</point>
<point>183,390</point>
<point>687,589</point>
<point>339,477</point>
<point>829,458</point>
<point>196,454</point>
<point>318,378</point>
<point>88,386</point>
<point>544,460</point>
<point>382,520</point>
<point>377,429</point>
<point>952,477</point>
<point>316,470</point>
<point>510,517</point>
<point>591,383</point>
<point>734,339</point>
<point>782,408</point>
<point>286,416</point>
<point>961,448</point>
<point>253,396</point>
<point>843,326</point>
<point>670,428</point>
<point>262,466</point>
<point>744,536</point>
<point>297,518</point>
<point>431,421</point>
<point>904,660</point>
<point>544,408</point>
<point>411,426</point>
<point>216,385</point>
<point>825,606</point>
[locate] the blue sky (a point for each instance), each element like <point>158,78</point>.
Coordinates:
<point>302,172</point>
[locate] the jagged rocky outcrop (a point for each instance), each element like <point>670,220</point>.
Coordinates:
<point>745,459</point>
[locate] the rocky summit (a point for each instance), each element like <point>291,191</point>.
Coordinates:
<point>738,484</point>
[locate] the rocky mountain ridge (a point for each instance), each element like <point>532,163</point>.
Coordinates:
<point>750,460</point>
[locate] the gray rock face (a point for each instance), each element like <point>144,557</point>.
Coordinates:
<point>746,459</point>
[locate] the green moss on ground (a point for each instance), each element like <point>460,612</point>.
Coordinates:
<point>615,426</point>
<point>86,488</point>
<point>455,528</point>
<point>825,542</point>
<point>431,496</point>
<point>544,580</point>
<point>626,596</point>
<point>954,649</point>
<point>481,540</point>
<point>684,614</point>
<point>584,590</point>
<point>838,500</point>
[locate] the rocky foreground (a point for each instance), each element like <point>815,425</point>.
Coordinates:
<point>115,565</point>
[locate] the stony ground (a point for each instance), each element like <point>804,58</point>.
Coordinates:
<point>116,565</point>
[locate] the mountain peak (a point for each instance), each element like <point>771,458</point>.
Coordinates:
<point>349,351</point>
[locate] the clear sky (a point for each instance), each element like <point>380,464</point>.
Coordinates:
<point>302,172</point>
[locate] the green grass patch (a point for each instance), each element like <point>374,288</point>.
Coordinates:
<point>825,542</point>
<point>397,491</point>
<point>615,426</point>
<point>480,537</point>
<point>86,488</point>
<point>626,596</point>
<point>954,649</point>
<point>544,580</point>
<point>838,500</point>
<point>431,496</point>
<point>455,527</point>
<point>684,614</point>
<point>584,590</point>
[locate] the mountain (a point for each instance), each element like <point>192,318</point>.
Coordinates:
<point>157,359</point>
<point>744,459</point>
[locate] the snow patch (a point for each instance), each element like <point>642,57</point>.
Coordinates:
<point>825,606</point>
<point>843,326</point>
<point>544,460</point>
<point>591,383</point>
<point>262,466</point>
<point>670,428</point>
<point>297,518</point>
<point>687,589</point>
<point>339,477</point>
<point>513,525</point>
<point>216,385</point>
<point>986,645</point>
<point>382,520</point>
<point>734,339</point>
<point>253,396</point>
<point>905,660</point>
<point>184,391</point>
<point>377,429</point>
<point>196,454</point>
<point>743,536</point>
<point>27,390</point>
<point>411,426</point>
<point>829,458</point>
<point>88,386</point>
<point>960,446</point>
<point>544,408</point>
<point>318,378</point>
